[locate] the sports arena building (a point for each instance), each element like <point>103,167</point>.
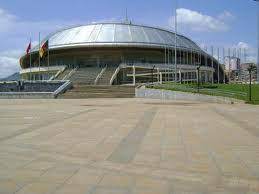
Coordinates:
<point>120,53</point>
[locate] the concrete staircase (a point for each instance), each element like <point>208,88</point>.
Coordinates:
<point>62,75</point>
<point>93,91</point>
<point>106,76</point>
<point>86,75</point>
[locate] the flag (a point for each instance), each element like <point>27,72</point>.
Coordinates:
<point>28,50</point>
<point>21,60</point>
<point>43,49</point>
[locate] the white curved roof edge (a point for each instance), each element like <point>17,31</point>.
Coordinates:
<point>119,23</point>
<point>110,44</point>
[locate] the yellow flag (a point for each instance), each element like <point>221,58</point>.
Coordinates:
<point>44,48</point>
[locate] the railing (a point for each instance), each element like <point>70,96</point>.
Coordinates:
<point>115,74</point>
<point>67,85</point>
<point>100,75</point>
<point>58,73</point>
<point>70,73</point>
<point>164,66</point>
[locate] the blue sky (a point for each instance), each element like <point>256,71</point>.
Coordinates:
<point>221,23</point>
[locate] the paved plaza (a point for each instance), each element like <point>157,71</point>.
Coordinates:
<point>128,146</point>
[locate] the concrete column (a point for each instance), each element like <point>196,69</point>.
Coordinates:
<point>212,81</point>
<point>134,75</point>
<point>206,76</point>
<point>158,74</point>
<point>161,77</point>
<point>180,76</point>
<point>197,76</point>
<point>166,75</point>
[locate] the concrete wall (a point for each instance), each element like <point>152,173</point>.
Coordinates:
<point>35,86</point>
<point>26,95</point>
<point>34,90</point>
<point>143,92</point>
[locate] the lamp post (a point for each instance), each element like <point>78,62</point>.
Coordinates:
<point>153,74</point>
<point>257,1</point>
<point>198,77</point>
<point>250,69</point>
<point>175,44</point>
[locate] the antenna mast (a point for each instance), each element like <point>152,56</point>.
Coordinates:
<point>126,19</point>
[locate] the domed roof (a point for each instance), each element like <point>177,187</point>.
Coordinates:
<point>116,34</point>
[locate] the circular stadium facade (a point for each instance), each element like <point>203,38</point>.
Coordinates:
<point>119,53</point>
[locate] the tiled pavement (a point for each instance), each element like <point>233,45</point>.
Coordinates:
<point>128,146</point>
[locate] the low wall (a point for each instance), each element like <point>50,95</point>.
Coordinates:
<point>26,95</point>
<point>33,90</point>
<point>143,92</point>
<point>33,86</point>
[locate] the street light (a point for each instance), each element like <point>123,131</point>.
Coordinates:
<point>153,74</point>
<point>198,77</point>
<point>175,43</point>
<point>257,40</point>
<point>250,69</point>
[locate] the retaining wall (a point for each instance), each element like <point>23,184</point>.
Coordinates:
<point>33,90</point>
<point>143,92</point>
<point>26,95</point>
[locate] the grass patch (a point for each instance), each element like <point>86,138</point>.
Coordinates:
<point>237,91</point>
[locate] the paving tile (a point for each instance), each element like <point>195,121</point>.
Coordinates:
<point>73,189</point>
<point>39,165</point>
<point>86,177</point>
<point>38,187</point>
<point>130,146</point>
<point>116,180</point>
<point>8,186</point>
<point>109,190</point>
<point>55,176</point>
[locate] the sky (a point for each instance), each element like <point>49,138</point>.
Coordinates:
<point>218,23</point>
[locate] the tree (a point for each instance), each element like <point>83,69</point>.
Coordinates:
<point>251,69</point>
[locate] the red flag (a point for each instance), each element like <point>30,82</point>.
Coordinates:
<point>28,50</point>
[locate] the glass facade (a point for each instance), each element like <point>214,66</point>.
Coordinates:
<point>83,34</point>
<point>122,33</point>
<point>94,33</point>
<point>137,34</point>
<point>106,33</point>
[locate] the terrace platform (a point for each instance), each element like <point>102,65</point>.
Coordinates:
<point>128,146</point>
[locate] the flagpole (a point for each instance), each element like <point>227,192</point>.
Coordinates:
<point>218,66</point>
<point>224,66</point>
<point>175,44</point>
<point>30,60</point>
<point>48,62</point>
<point>39,55</point>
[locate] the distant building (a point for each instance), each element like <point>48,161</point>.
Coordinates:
<point>244,74</point>
<point>232,67</point>
<point>232,63</point>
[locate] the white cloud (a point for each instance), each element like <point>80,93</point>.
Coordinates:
<point>6,20</point>
<point>197,21</point>
<point>242,45</point>
<point>9,62</point>
<point>226,16</point>
<point>15,33</point>
<point>250,52</point>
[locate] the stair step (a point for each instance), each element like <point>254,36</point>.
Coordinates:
<point>106,76</point>
<point>87,91</point>
<point>85,75</point>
